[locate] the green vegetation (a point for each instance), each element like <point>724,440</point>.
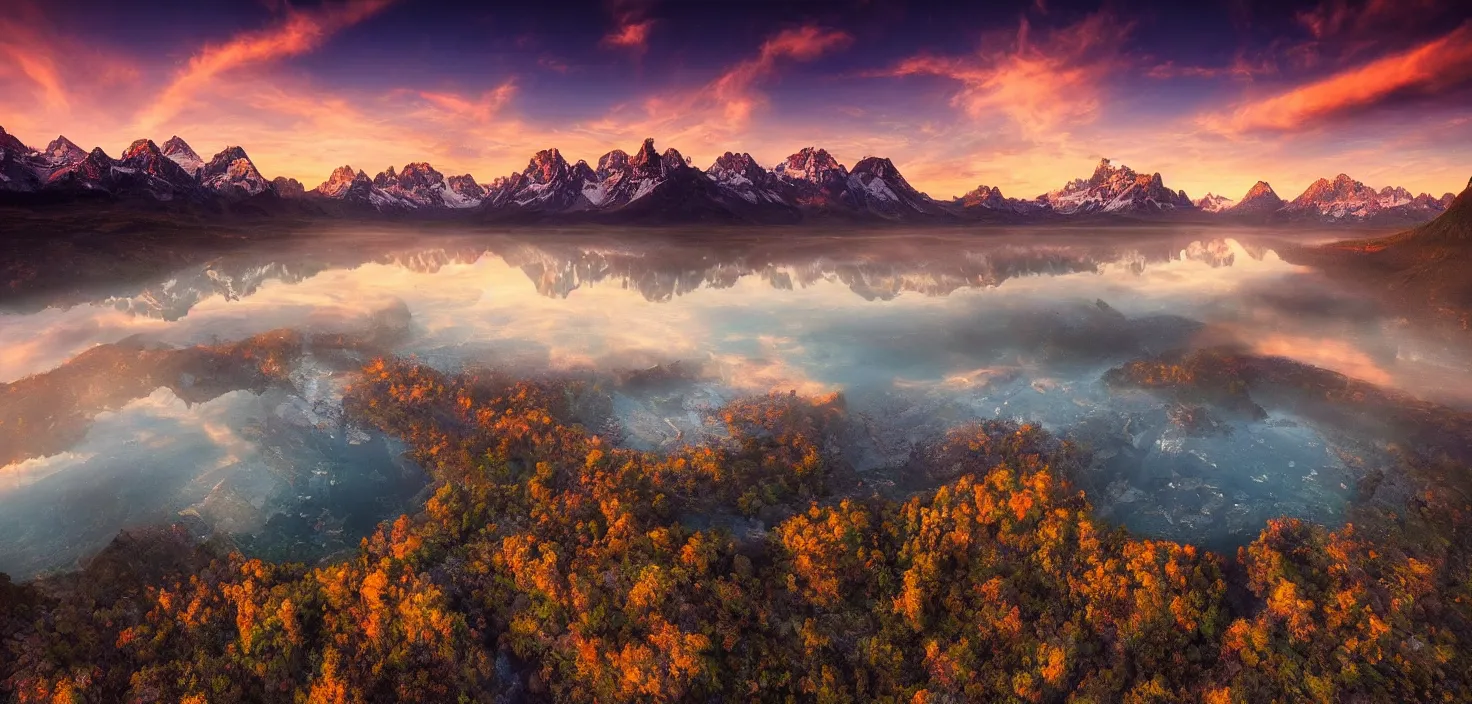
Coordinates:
<point>549,564</point>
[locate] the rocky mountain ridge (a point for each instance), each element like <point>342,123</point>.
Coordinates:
<point>652,186</point>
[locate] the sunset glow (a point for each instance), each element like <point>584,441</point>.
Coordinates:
<point>1023,99</point>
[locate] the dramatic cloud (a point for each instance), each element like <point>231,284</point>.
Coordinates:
<point>24,54</point>
<point>301,32</point>
<point>725,105</point>
<point>1037,104</point>
<point>49,79</point>
<point>630,34</point>
<point>1045,87</point>
<point>734,89</point>
<point>1433,66</point>
<point>480,109</point>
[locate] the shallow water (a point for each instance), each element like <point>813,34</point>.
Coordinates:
<point>920,331</point>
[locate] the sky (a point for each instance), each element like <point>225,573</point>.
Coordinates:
<point>1023,96</point>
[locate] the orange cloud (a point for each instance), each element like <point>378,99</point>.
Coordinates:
<point>49,79</point>
<point>1043,87</point>
<point>722,107</point>
<point>302,31</point>
<point>733,92</point>
<point>25,55</point>
<point>1432,66</point>
<point>630,34</point>
<point>480,109</point>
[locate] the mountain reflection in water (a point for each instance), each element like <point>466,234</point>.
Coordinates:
<point>128,421</point>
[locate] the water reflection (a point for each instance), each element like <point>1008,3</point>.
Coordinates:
<point>919,332</point>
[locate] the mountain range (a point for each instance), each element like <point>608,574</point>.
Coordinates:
<point>652,186</point>
<point>1425,266</point>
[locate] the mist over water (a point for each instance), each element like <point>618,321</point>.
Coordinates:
<point>918,331</point>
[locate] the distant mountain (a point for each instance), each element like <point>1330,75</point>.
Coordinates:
<point>348,186</point>
<point>231,173</point>
<point>183,155</point>
<point>1214,204</point>
<point>621,179</point>
<point>1449,235</point>
<point>548,184</point>
<point>149,169</point>
<point>466,187</point>
<point>1115,189</point>
<point>1346,200</point>
<point>649,186</point>
<point>61,152</point>
<point>814,181</point>
<point>877,186</point>
<point>1425,266</point>
<point>288,187</point>
<point>16,173</point>
<point>988,203</point>
<point>11,143</point>
<point>742,177</point>
<point>982,197</point>
<point>419,185</point>
<point>1261,199</point>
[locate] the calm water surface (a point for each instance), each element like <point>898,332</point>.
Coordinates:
<point>919,332</point>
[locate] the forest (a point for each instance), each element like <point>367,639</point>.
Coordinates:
<point>549,564</point>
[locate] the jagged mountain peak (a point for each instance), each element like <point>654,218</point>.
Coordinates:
<point>672,160</point>
<point>730,166</point>
<point>1115,188</point>
<point>734,161</point>
<point>230,154</point>
<point>287,187</point>
<point>419,174</point>
<point>1259,190</point>
<point>811,164</point>
<point>1261,199</point>
<point>142,146</point>
<point>232,173</point>
<point>1213,203</point>
<point>614,161</point>
<point>982,196</point>
<point>880,167</point>
<point>182,154</point>
<point>1345,199</point>
<point>63,152</point>
<point>645,154</point>
<point>11,143</point>
<point>546,166</point>
<point>879,187</point>
<point>466,186</point>
<point>346,183</point>
<point>1106,170</point>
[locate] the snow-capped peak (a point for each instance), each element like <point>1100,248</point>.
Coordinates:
<point>1115,189</point>
<point>1213,203</point>
<point>343,181</point>
<point>182,154</point>
<point>1347,199</point>
<point>231,173</point>
<point>61,152</point>
<point>812,164</point>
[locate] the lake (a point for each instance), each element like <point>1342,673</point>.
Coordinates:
<point>211,394</point>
